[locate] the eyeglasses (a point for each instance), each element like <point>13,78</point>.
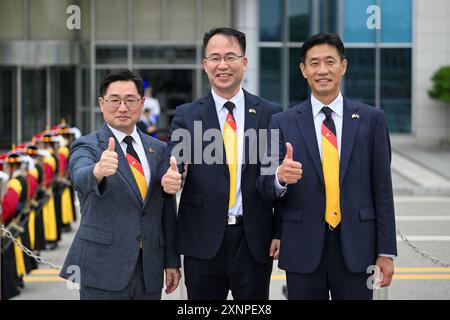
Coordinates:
<point>229,58</point>
<point>115,101</point>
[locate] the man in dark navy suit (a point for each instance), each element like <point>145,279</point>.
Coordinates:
<point>333,188</point>
<point>224,227</point>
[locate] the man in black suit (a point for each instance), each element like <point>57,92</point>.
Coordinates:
<point>224,228</point>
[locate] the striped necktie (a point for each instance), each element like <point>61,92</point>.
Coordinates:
<point>330,166</point>
<point>230,142</point>
<point>136,166</point>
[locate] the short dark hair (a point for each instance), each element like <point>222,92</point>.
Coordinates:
<point>230,33</point>
<point>122,75</point>
<point>331,39</point>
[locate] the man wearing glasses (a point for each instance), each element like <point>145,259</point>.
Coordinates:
<point>224,228</point>
<point>126,237</point>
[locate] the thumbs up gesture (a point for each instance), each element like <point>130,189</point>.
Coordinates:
<point>289,171</point>
<point>108,164</point>
<point>171,181</point>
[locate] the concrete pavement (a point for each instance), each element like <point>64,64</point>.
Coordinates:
<point>421,180</point>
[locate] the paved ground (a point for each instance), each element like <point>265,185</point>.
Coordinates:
<point>421,179</point>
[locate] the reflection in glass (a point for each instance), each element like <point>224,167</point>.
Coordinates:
<point>396,21</point>
<point>360,76</point>
<point>172,88</point>
<point>299,20</point>
<point>171,54</point>
<point>355,21</point>
<point>298,87</point>
<point>63,95</point>
<point>328,16</point>
<point>6,107</point>
<point>270,20</point>
<point>111,54</point>
<point>396,88</point>
<point>33,102</point>
<point>270,73</point>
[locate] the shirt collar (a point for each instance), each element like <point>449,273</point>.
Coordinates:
<point>337,105</point>
<point>220,101</point>
<point>120,135</point>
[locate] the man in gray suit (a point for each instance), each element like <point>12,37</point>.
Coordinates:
<point>126,237</point>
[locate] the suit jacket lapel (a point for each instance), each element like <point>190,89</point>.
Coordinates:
<point>252,117</point>
<point>305,124</point>
<point>349,129</point>
<point>124,167</point>
<point>208,113</point>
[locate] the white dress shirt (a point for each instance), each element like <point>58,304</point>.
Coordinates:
<point>138,147</point>
<point>239,117</point>
<point>337,106</point>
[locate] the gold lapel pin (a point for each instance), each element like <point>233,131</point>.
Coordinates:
<point>252,110</point>
<point>152,150</point>
<point>355,116</point>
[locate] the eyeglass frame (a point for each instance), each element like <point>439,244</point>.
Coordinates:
<point>233,56</point>
<point>122,100</point>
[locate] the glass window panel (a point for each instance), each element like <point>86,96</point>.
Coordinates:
<point>48,20</point>
<point>328,16</point>
<point>359,79</point>
<point>172,88</point>
<point>270,20</point>
<point>33,103</point>
<point>299,19</point>
<point>63,95</point>
<point>111,54</point>
<point>355,21</point>
<point>396,21</point>
<point>213,14</point>
<point>298,87</point>
<point>146,19</point>
<point>181,19</point>
<point>99,75</point>
<point>6,107</point>
<point>270,73</point>
<point>172,54</point>
<point>396,88</point>
<point>11,20</point>
<point>111,19</point>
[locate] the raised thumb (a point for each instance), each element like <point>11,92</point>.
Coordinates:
<point>289,151</point>
<point>173,163</point>
<point>111,144</point>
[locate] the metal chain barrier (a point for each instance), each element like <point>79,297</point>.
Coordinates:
<point>27,251</point>
<point>424,254</point>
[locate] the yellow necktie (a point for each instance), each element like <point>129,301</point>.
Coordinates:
<point>230,142</point>
<point>136,166</point>
<point>330,166</point>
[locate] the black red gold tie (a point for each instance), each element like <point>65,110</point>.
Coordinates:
<point>136,166</point>
<point>230,142</point>
<point>330,166</point>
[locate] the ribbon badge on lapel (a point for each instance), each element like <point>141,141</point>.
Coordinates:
<point>252,110</point>
<point>355,116</point>
<point>151,150</point>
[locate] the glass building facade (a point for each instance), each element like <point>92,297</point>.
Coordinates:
<point>379,69</point>
<point>49,72</point>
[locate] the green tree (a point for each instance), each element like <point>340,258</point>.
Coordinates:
<point>441,85</point>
